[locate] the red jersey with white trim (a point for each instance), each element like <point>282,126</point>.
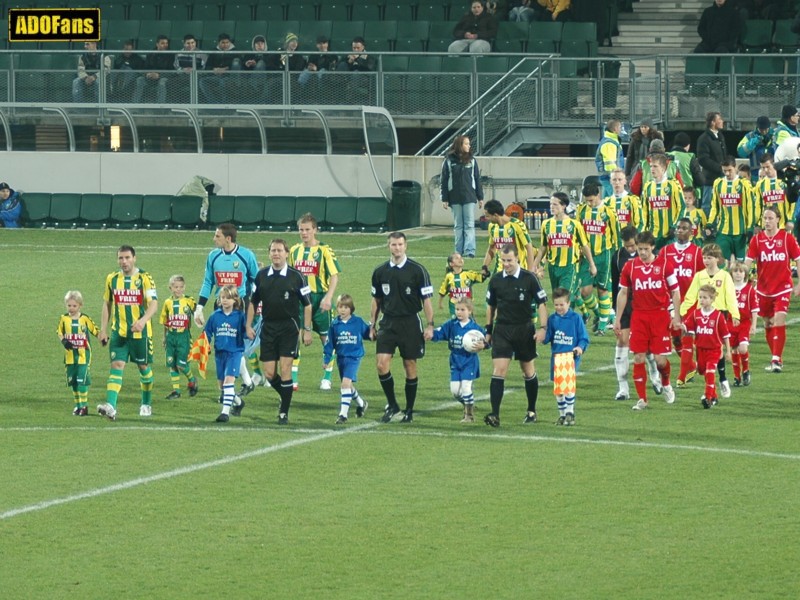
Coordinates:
<point>774,256</point>
<point>687,262</point>
<point>649,284</point>
<point>747,300</point>
<point>709,330</point>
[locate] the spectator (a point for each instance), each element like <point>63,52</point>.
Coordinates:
<point>643,174</point>
<point>360,60</point>
<point>686,162</point>
<point>258,59</point>
<point>85,86</point>
<point>290,58</point>
<point>10,207</point>
<point>608,155</point>
<point>711,151</point>
<point>719,29</point>
<point>756,144</point>
<point>156,64</point>
<point>555,10</point>
<point>461,190</point>
<point>188,60</point>
<point>254,64</point>
<point>523,11</point>
<point>221,63</point>
<point>319,63</point>
<point>639,146</point>
<point>787,126</point>
<point>475,31</point>
<point>125,66</point>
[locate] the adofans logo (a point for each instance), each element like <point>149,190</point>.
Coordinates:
<point>53,24</point>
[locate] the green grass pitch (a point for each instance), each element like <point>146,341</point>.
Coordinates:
<point>675,502</point>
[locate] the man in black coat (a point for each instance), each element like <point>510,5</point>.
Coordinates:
<point>711,151</point>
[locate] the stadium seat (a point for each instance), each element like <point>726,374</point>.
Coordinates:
<point>247,30</point>
<point>371,212</point>
<point>365,11</point>
<point>126,210</point>
<point>35,209</point>
<point>784,39</point>
<point>65,210</point>
<point>113,10</point>
<point>310,204</point>
<point>386,30</point>
<point>514,32</point>
<point>248,212</point>
<point>432,11</point>
<point>343,32</point>
<point>240,12</point>
<point>220,209</point>
<point>186,211</point>
<point>757,35</point>
<point>279,211</point>
<point>270,11</point>
<point>336,11</point>
<point>297,12</point>
<point>699,73</point>
<point>142,10</point>
<point>175,11</point>
<point>211,31</point>
<point>340,213</point>
<point>544,37</point>
<point>310,30</point>
<point>122,30</point>
<point>180,29</point>
<point>207,11</point>
<point>150,30</point>
<point>95,210</point>
<point>768,75</point>
<point>156,211</point>
<point>394,11</point>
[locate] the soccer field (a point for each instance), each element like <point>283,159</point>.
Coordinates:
<point>673,502</point>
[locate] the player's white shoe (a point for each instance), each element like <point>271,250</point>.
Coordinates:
<point>640,405</point>
<point>257,379</point>
<point>107,411</point>
<point>145,410</point>
<point>669,394</point>
<point>725,389</point>
<point>325,385</point>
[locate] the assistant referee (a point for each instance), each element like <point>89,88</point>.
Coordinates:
<point>512,296</point>
<point>281,290</point>
<point>401,288</point>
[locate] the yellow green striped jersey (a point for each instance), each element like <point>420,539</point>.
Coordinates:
<point>176,314</point>
<point>698,218</point>
<point>459,285</point>
<point>129,298</point>
<point>563,240</point>
<point>662,206</point>
<point>600,225</point>
<point>318,264</point>
<point>77,332</point>
<point>731,206</point>
<point>513,232</point>
<point>628,209</point>
<point>771,192</point>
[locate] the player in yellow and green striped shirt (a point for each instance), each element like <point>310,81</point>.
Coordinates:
<point>505,230</point>
<point>731,211</point>
<point>696,215</point>
<point>176,317</point>
<point>600,224</point>
<point>662,202</point>
<point>771,191</point>
<point>73,330</point>
<point>129,302</point>
<point>457,282</point>
<point>627,207</point>
<point>318,264</point>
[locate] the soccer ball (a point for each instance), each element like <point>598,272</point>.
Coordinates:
<point>473,341</point>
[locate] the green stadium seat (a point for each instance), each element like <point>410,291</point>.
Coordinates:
<point>35,209</point>
<point>279,210</point>
<point>515,33</point>
<point>310,204</point>
<point>336,11</point>
<point>65,210</point>
<point>413,34</point>
<point>241,12</point>
<point>297,12</point>
<point>768,75</point>
<point>432,11</point>
<point>31,83</point>
<point>579,31</point>
<point>181,28</point>
<point>310,30</point>
<point>126,210</point>
<point>121,30</point>
<point>405,45</point>
<point>152,28</point>
<point>784,39</point>
<point>394,11</point>
<point>394,63</point>
<point>220,209</point>
<point>211,31</point>
<point>492,64</point>
<point>186,211</point>
<point>156,210</point>
<point>420,85</point>
<point>113,10</point>
<point>386,30</point>
<point>545,34</point>
<point>340,212</point>
<point>95,210</point>
<point>248,212</point>
<point>175,11</point>
<point>206,11</point>
<point>247,30</point>
<point>699,73</point>
<point>756,35</point>
<point>142,10</point>
<point>365,11</point>
<point>372,212</point>
<point>343,32</point>
<point>271,11</point>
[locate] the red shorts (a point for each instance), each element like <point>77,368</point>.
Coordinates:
<point>651,331</point>
<point>741,333</point>
<point>772,305</point>
<point>707,359</point>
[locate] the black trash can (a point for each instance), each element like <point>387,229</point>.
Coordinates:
<point>404,211</point>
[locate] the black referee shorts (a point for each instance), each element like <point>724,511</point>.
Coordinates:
<point>625,317</point>
<point>279,338</point>
<point>403,334</point>
<point>514,341</point>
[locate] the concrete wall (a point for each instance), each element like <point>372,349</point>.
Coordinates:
<point>276,175</point>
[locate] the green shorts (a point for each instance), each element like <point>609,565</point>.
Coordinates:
<point>732,245</point>
<point>320,319</point>
<point>136,350</point>
<point>603,278</point>
<point>78,375</point>
<point>563,277</point>
<point>177,348</point>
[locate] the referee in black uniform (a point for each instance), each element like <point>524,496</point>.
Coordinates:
<point>281,291</point>
<point>513,295</point>
<point>621,360</point>
<point>400,288</point>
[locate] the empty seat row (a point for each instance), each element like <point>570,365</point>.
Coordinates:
<point>767,36</point>
<point>73,210</point>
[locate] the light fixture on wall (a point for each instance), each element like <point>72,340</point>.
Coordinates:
<point>115,138</point>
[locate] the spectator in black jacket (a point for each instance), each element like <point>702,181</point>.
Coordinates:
<point>125,67</point>
<point>719,29</point>
<point>359,60</point>
<point>156,64</point>
<point>319,63</point>
<point>475,31</point>
<point>711,151</point>
<point>214,87</point>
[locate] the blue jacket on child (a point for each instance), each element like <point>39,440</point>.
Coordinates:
<point>347,338</point>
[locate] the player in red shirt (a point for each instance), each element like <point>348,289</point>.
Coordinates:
<point>651,282</point>
<point>774,250</point>
<point>688,260</point>
<point>710,329</point>
<point>747,299</point>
